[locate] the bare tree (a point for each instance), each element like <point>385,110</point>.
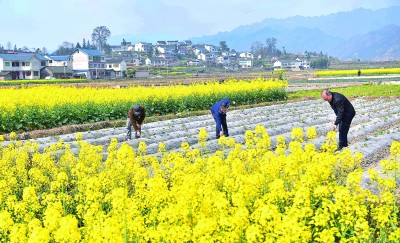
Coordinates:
<point>9,46</point>
<point>257,48</point>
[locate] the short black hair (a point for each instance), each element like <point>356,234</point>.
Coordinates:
<point>136,110</point>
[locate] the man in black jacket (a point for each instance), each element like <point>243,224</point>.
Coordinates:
<point>344,111</point>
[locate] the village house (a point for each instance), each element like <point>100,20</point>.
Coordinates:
<point>22,65</point>
<point>115,68</point>
<point>90,63</point>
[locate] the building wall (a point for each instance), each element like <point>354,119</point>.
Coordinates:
<point>80,61</point>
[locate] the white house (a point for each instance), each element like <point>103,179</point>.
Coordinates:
<point>156,61</point>
<point>277,64</point>
<point>90,63</point>
<point>143,46</point>
<point>210,48</point>
<point>193,62</point>
<point>296,65</point>
<point>22,65</point>
<point>224,60</point>
<point>59,61</point>
<point>115,68</point>
<point>246,55</point>
<point>201,56</point>
<point>245,62</point>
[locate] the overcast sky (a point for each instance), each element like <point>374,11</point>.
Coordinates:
<point>48,23</point>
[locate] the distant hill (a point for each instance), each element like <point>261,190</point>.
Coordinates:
<point>361,33</point>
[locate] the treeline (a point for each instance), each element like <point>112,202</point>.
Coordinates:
<point>269,50</point>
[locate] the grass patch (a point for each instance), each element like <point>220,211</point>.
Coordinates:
<point>369,90</point>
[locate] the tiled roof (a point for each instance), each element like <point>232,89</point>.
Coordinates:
<point>59,69</point>
<point>90,52</point>
<point>22,56</point>
<point>15,57</point>
<point>59,58</point>
<point>114,61</point>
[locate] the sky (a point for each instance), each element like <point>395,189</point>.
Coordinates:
<point>49,23</point>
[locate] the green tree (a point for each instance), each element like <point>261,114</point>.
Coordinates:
<point>321,62</point>
<point>130,72</point>
<point>64,49</point>
<point>271,45</point>
<point>84,44</point>
<point>99,36</point>
<point>223,46</point>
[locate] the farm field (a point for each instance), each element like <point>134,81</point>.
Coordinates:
<point>376,124</point>
<point>178,183</point>
<point>277,176</point>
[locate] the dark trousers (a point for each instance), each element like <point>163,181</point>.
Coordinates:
<point>129,129</point>
<point>344,127</point>
<point>224,126</point>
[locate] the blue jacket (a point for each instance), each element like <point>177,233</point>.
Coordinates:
<point>216,111</point>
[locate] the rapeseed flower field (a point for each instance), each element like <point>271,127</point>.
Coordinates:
<point>241,193</point>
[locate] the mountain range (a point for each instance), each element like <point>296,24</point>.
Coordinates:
<point>358,34</point>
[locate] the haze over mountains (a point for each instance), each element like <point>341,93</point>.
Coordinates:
<point>359,34</point>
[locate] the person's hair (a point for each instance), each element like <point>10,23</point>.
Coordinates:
<point>327,92</point>
<point>223,105</point>
<point>136,108</point>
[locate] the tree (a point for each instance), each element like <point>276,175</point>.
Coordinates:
<point>107,49</point>
<point>130,72</point>
<point>223,46</point>
<point>99,36</point>
<point>15,48</point>
<point>84,44</point>
<point>88,45</point>
<point>78,45</point>
<point>271,46</point>
<point>320,63</point>
<point>44,51</point>
<point>257,48</point>
<point>64,49</point>
<point>123,43</point>
<point>9,46</point>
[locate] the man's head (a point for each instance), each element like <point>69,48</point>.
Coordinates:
<point>327,95</point>
<point>223,107</point>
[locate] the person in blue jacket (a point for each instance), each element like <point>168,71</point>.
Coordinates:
<point>218,111</point>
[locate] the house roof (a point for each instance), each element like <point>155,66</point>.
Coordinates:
<point>22,56</point>
<point>59,69</point>
<point>89,52</point>
<point>157,59</point>
<point>114,61</point>
<point>59,58</point>
<point>144,43</point>
<point>15,57</point>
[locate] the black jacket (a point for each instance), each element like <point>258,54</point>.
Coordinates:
<point>342,107</point>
